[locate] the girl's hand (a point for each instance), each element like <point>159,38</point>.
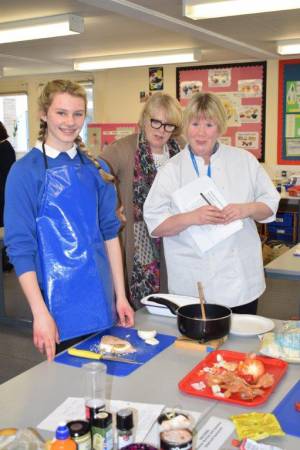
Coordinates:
<point>45,334</point>
<point>125,313</point>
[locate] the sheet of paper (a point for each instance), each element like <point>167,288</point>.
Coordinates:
<point>214,433</point>
<point>201,192</point>
<point>73,409</point>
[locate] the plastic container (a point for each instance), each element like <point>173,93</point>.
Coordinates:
<point>63,440</point>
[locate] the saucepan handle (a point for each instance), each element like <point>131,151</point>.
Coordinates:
<point>164,301</point>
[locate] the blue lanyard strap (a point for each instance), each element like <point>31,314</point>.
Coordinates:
<point>196,165</point>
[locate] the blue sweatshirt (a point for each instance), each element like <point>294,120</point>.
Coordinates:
<point>23,193</point>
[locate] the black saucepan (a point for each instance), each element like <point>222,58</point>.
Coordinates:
<point>191,324</point>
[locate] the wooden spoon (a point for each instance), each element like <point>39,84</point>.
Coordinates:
<point>202,300</point>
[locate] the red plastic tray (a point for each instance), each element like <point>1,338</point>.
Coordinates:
<point>274,366</point>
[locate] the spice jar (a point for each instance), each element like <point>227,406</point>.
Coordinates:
<point>102,433</point>
<point>124,428</point>
<point>80,431</point>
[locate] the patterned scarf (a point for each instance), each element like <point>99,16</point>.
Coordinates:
<point>146,259</point>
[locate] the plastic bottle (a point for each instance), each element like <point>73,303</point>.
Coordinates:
<point>124,428</point>
<point>63,440</point>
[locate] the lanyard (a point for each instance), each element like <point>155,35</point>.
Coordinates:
<point>196,165</point>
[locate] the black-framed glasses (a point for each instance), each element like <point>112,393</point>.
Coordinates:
<point>157,124</point>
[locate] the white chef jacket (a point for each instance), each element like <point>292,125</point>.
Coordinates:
<point>232,271</point>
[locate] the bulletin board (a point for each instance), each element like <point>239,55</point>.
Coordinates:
<point>242,90</point>
<point>102,134</point>
<point>289,112</point>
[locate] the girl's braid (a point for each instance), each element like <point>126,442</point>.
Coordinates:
<point>42,131</point>
<point>105,175</point>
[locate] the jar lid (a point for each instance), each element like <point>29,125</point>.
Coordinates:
<point>125,419</point>
<point>102,419</point>
<point>78,427</point>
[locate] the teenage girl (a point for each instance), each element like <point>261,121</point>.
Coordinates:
<point>61,228</point>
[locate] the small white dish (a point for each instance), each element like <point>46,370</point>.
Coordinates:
<point>250,325</point>
<point>161,310</point>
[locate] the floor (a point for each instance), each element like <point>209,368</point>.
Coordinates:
<point>17,353</point>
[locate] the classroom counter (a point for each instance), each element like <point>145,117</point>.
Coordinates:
<point>30,397</point>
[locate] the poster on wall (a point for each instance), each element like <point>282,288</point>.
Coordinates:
<point>289,112</point>
<point>156,78</point>
<point>102,134</point>
<point>241,88</point>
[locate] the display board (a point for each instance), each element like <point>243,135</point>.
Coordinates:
<point>289,112</point>
<point>102,134</point>
<point>242,90</point>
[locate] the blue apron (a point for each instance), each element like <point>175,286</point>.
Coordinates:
<point>77,283</point>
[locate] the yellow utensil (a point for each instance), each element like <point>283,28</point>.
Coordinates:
<point>93,355</point>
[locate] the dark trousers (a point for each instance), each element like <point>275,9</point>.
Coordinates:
<point>249,308</point>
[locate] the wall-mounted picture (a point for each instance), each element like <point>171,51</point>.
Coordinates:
<point>156,78</point>
<point>289,112</point>
<point>241,88</point>
<point>189,88</point>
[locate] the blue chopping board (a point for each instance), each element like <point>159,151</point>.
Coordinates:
<point>144,352</point>
<point>286,413</point>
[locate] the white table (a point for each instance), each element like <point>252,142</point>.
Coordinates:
<point>28,398</point>
<point>285,266</point>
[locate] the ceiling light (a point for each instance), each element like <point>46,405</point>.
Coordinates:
<point>196,9</point>
<point>138,59</point>
<point>288,47</point>
<point>40,28</point>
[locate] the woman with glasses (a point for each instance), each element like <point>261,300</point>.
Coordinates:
<point>183,203</point>
<point>135,161</point>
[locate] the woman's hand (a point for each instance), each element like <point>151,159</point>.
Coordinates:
<point>256,210</point>
<point>207,215</point>
<point>45,334</point>
<point>125,313</point>
<point>235,211</point>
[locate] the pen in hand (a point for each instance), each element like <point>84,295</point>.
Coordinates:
<point>205,199</point>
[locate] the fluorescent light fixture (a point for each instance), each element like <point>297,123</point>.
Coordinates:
<point>288,47</point>
<point>41,28</point>
<point>207,9</point>
<point>139,59</point>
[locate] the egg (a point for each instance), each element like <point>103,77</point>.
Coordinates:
<point>145,334</point>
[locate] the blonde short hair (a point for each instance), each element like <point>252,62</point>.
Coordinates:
<point>207,105</point>
<point>169,105</point>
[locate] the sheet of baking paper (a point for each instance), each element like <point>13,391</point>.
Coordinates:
<point>73,409</point>
<point>214,433</point>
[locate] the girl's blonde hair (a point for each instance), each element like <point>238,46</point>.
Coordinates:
<point>207,105</point>
<point>169,105</point>
<point>45,100</point>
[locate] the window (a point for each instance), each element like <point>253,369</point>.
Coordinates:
<point>89,89</point>
<point>14,116</point>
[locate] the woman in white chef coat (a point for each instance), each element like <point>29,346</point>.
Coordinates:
<point>232,270</point>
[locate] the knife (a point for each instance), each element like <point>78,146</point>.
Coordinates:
<point>93,355</point>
